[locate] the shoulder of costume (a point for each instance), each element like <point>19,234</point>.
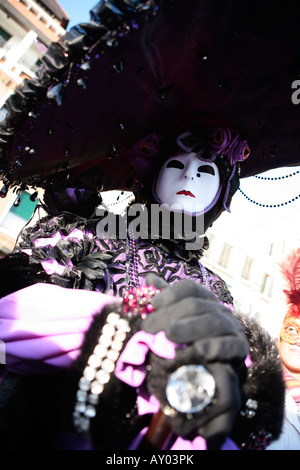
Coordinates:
<point>220,288</point>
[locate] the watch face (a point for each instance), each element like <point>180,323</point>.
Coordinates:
<point>187,183</point>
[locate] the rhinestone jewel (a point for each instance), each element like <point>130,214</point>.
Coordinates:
<point>190,388</point>
<point>138,301</point>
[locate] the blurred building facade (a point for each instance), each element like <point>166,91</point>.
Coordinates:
<point>251,270</point>
<point>27,27</point>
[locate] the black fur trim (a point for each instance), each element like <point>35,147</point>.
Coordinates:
<point>264,384</point>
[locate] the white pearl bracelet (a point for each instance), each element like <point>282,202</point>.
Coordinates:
<point>98,370</point>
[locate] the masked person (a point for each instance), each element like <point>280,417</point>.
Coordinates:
<point>63,252</point>
<point>101,327</point>
<point>289,348</point>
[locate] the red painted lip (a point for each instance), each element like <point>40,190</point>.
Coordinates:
<point>186,193</point>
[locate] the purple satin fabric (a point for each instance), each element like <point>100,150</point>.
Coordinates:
<point>43,326</point>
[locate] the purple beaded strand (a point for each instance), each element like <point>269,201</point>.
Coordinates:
<point>132,255</point>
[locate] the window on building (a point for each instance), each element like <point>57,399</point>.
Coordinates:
<point>225,255</point>
<point>267,283</point>
<point>43,19</point>
<point>247,268</point>
<point>36,66</point>
<point>18,215</point>
<point>4,37</point>
<point>271,249</point>
<point>277,249</point>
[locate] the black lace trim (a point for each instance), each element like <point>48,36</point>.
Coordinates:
<point>86,267</point>
<point>218,286</point>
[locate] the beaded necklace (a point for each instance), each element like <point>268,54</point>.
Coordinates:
<point>274,178</point>
<point>269,205</point>
<point>132,275</point>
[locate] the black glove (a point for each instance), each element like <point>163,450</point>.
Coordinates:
<point>190,314</point>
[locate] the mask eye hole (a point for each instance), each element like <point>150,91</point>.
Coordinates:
<point>175,164</point>
<point>206,169</point>
<point>291,330</point>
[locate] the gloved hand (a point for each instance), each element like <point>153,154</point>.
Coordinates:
<point>190,314</point>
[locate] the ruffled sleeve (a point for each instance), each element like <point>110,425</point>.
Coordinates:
<point>43,326</point>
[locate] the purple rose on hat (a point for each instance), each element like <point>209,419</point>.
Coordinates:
<point>228,142</point>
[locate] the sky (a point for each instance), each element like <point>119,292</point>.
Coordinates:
<point>77,10</point>
<point>279,222</point>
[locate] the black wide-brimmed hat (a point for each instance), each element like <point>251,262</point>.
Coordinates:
<point>149,67</point>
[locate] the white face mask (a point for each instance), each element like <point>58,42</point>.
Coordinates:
<point>186,183</point>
